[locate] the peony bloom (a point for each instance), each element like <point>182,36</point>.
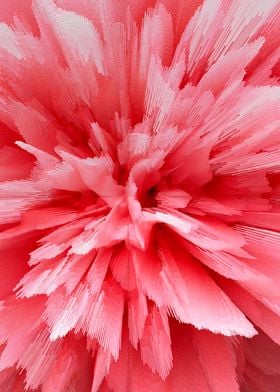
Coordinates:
<point>140,196</point>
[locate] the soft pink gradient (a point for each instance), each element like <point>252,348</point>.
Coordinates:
<point>140,196</point>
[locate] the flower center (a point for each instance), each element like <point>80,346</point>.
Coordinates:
<point>148,200</point>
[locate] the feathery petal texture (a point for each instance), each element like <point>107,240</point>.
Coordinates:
<point>139,195</point>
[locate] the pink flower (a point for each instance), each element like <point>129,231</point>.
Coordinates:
<point>140,195</point>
